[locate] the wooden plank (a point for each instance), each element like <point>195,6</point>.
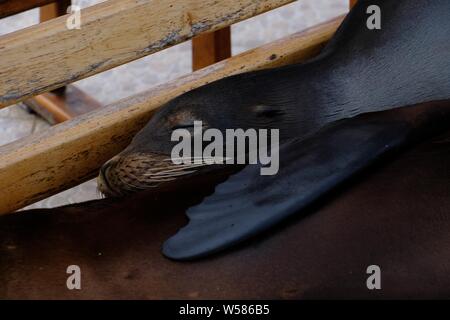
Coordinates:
<point>352,3</point>
<point>47,56</point>
<point>62,104</point>
<point>10,7</point>
<point>67,154</point>
<point>211,47</point>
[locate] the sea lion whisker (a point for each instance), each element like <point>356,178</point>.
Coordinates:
<point>177,168</point>
<point>100,193</point>
<point>178,165</point>
<point>176,174</point>
<point>182,158</point>
<point>168,173</point>
<point>162,180</point>
<point>202,159</point>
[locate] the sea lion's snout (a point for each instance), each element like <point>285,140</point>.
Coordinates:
<point>128,173</point>
<point>104,180</point>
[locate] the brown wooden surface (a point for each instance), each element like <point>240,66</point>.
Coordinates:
<point>10,7</point>
<point>112,33</point>
<point>62,105</point>
<point>210,48</point>
<point>352,3</point>
<point>53,10</point>
<point>67,154</point>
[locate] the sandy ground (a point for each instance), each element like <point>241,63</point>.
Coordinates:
<point>142,74</point>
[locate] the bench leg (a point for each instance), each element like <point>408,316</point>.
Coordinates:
<point>53,10</point>
<point>210,48</point>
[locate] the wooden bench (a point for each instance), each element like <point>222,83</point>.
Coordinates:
<point>40,59</point>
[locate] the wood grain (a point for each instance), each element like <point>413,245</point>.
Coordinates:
<point>211,47</point>
<point>47,56</point>
<point>10,7</point>
<point>67,154</point>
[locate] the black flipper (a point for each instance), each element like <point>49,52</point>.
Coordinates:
<point>248,203</point>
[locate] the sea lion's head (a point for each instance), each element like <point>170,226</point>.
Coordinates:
<point>146,163</point>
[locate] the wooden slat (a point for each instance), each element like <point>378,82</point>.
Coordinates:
<point>10,7</point>
<point>69,153</point>
<point>47,56</point>
<point>211,47</point>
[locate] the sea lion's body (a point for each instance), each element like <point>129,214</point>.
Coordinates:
<point>360,70</point>
<point>395,216</point>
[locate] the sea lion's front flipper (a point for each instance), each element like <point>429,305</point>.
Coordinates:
<point>248,203</point>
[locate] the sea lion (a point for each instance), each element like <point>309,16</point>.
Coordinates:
<point>394,216</point>
<point>249,203</point>
<point>360,70</point>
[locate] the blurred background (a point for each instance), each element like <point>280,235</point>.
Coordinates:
<point>16,122</point>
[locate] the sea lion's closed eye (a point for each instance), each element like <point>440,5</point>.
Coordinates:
<point>267,111</point>
<point>183,126</point>
<point>187,126</point>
